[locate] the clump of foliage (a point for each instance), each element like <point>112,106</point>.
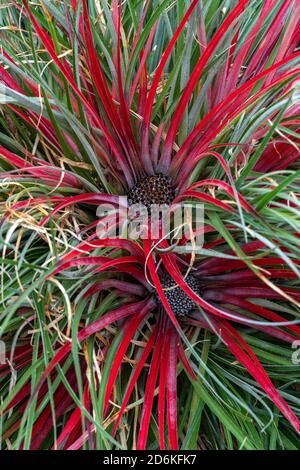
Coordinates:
<point>121,343</point>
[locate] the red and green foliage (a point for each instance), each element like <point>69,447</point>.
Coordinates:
<point>95,97</point>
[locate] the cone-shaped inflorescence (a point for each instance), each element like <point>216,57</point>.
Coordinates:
<point>181,304</point>
<point>156,189</point>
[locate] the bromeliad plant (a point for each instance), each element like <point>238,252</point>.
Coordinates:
<point>121,343</point>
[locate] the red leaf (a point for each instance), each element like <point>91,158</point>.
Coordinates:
<point>223,29</point>
<point>98,325</point>
<point>149,394</point>
<point>130,329</point>
<point>245,355</point>
<point>136,373</point>
<point>171,392</point>
<point>157,76</point>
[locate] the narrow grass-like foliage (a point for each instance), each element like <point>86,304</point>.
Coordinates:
<point>96,97</point>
